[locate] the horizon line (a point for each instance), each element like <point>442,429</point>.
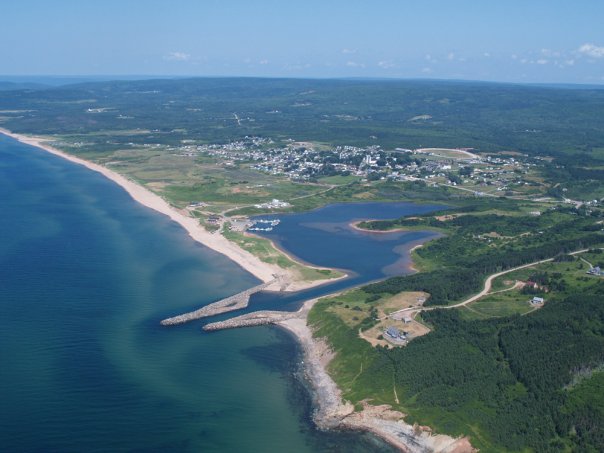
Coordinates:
<point>140,77</point>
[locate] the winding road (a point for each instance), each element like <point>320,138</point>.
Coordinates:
<point>487,287</point>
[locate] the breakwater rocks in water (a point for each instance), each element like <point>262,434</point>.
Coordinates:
<point>258,318</point>
<point>234,302</point>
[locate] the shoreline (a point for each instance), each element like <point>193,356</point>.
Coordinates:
<point>355,226</point>
<point>411,264</point>
<point>331,412</point>
<point>265,272</point>
<point>298,285</point>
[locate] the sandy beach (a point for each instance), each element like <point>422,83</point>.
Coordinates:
<point>261,270</point>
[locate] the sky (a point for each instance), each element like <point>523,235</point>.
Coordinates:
<point>529,41</point>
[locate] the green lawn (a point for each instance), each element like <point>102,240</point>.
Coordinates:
<point>497,305</point>
<point>339,179</point>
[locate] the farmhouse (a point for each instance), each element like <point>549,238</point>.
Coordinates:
<point>395,334</point>
<point>537,301</point>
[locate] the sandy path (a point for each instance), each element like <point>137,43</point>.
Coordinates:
<point>435,151</point>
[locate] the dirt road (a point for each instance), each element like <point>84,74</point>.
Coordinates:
<point>487,287</point>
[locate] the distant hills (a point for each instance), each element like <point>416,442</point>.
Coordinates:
<point>7,86</point>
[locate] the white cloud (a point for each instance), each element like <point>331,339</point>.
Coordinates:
<point>542,61</point>
<point>349,51</point>
<point>570,62</point>
<point>486,54</point>
<point>549,53</point>
<point>263,62</point>
<point>296,66</point>
<point>426,70</point>
<point>386,64</point>
<point>354,64</point>
<point>591,50</point>
<point>177,56</point>
<point>451,56</point>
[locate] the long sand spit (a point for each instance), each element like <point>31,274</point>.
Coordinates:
<point>261,270</point>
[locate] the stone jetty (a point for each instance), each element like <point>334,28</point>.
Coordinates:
<point>234,302</point>
<point>258,318</point>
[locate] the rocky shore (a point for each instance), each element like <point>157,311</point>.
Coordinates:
<point>331,411</point>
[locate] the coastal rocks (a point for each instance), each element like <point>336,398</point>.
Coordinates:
<point>258,318</point>
<point>334,413</point>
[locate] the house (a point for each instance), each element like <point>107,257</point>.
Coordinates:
<point>393,332</point>
<point>537,301</point>
<point>407,319</point>
<point>595,271</point>
<point>396,334</point>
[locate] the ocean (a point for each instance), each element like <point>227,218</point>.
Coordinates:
<point>86,274</point>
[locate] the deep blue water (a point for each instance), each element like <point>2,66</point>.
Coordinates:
<point>85,276</point>
<point>326,238</point>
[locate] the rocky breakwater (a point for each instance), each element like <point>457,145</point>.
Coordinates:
<point>234,302</point>
<point>258,318</point>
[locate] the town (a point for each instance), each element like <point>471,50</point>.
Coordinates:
<point>496,174</point>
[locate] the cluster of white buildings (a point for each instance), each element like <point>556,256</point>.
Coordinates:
<point>302,162</point>
<point>273,204</point>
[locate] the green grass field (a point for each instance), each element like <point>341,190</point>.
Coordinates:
<point>498,305</point>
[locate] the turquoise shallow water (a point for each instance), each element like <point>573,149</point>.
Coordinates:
<point>85,276</point>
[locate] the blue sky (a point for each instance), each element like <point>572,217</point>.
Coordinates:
<point>497,40</point>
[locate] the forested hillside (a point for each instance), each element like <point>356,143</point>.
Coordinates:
<point>528,382</point>
<point>390,113</point>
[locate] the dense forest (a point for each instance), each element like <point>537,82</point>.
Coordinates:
<point>512,372</point>
<point>395,113</point>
